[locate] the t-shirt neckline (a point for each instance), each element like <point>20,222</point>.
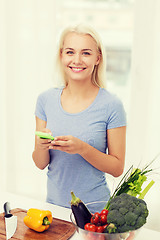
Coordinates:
<point>78,113</point>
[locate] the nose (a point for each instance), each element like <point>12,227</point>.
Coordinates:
<point>77,59</point>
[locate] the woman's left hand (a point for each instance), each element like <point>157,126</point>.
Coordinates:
<point>68,144</point>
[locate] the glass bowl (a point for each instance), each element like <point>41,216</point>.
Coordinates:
<point>87,235</point>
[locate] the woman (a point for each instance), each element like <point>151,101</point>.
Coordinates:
<point>87,121</point>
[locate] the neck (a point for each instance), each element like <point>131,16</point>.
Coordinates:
<point>79,89</point>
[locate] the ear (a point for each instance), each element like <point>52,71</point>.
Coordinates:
<point>60,53</point>
<point>98,59</point>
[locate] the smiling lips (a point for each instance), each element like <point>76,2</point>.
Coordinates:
<point>77,69</point>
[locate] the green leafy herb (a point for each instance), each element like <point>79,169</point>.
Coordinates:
<point>132,182</point>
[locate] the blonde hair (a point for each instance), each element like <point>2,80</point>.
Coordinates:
<point>99,72</point>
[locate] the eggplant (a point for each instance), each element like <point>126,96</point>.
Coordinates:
<point>81,213</point>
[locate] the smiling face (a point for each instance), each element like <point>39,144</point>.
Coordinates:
<point>79,56</point>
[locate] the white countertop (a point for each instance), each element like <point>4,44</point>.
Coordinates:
<point>17,201</point>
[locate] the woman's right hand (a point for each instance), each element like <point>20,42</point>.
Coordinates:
<point>41,155</point>
<point>41,143</point>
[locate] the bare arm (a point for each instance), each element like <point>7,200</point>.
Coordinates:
<point>112,163</point>
<point>41,152</point>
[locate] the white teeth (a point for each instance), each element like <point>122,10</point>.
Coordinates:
<point>76,69</point>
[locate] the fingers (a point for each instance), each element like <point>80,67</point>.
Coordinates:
<point>60,143</point>
<point>67,144</point>
<point>43,143</point>
<point>63,138</point>
<point>60,148</point>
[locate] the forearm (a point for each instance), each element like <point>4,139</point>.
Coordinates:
<point>41,158</point>
<point>112,163</point>
<point>104,162</point>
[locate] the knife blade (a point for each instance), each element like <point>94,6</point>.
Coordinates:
<point>10,221</point>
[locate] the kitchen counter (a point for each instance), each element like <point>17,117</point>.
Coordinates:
<point>17,201</point>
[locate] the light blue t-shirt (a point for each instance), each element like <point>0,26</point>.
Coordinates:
<point>71,172</point>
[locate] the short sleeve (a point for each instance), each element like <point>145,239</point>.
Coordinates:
<point>40,108</point>
<point>117,116</point>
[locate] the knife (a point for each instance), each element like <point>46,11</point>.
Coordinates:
<point>10,221</point>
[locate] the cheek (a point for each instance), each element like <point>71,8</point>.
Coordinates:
<point>91,64</point>
<point>93,61</point>
<point>65,60</point>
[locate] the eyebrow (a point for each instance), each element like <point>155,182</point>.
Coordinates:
<point>85,49</point>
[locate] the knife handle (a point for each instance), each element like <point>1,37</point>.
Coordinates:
<point>7,210</point>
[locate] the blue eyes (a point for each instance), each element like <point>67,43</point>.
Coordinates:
<point>83,53</point>
<point>69,52</point>
<point>86,53</point>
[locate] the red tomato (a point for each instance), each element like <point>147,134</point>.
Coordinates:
<point>99,229</point>
<point>103,219</point>
<point>97,213</point>
<point>90,227</point>
<point>104,226</point>
<point>95,219</point>
<point>104,212</point>
<point>86,226</point>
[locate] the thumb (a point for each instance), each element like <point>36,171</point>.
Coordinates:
<point>46,130</point>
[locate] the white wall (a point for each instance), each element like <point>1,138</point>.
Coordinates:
<point>2,94</point>
<point>144,129</point>
<point>27,45</point>
<point>144,115</point>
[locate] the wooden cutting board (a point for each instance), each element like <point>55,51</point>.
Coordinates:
<point>58,230</point>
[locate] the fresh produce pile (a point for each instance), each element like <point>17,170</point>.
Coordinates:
<point>85,219</point>
<point>125,211</point>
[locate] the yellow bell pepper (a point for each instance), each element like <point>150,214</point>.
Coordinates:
<point>38,220</point>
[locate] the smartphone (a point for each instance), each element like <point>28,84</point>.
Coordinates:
<point>44,135</point>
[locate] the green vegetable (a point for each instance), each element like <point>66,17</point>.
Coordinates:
<point>132,182</point>
<point>133,185</point>
<point>126,213</point>
<point>144,192</point>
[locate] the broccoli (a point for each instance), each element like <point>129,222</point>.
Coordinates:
<point>127,213</point>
